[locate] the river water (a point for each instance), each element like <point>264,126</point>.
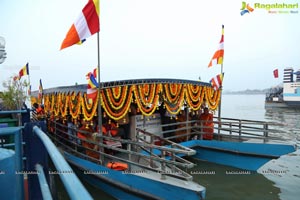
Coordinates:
<point>221,185</point>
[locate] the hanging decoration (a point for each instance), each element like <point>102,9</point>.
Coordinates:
<point>116,101</point>
<point>194,96</point>
<point>147,98</point>
<point>174,97</point>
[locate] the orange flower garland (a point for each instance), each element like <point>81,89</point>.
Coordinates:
<point>194,96</point>
<point>88,110</point>
<point>75,105</point>
<point>212,97</point>
<point>174,101</point>
<point>116,101</point>
<point>116,114</point>
<point>147,97</point>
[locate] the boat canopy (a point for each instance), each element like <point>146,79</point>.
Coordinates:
<point>118,96</point>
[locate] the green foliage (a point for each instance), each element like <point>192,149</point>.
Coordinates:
<point>15,94</point>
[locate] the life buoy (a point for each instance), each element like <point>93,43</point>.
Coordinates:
<point>117,166</point>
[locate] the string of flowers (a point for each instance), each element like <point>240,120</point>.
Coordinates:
<point>75,105</point>
<point>63,104</point>
<point>116,101</point>
<point>88,110</point>
<point>116,114</point>
<point>147,105</point>
<point>56,105</point>
<point>212,97</point>
<point>194,98</point>
<point>174,104</point>
<point>46,103</point>
<point>147,92</point>
<point>169,91</point>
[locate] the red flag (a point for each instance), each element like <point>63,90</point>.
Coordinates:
<point>86,25</point>
<point>275,73</point>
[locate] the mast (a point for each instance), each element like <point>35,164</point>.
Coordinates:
<point>221,87</point>
<point>99,98</point>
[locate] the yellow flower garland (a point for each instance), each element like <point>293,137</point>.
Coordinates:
<point>116,101</point>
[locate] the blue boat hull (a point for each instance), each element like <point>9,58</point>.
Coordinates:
<point>247,156</point>
<point>130,186</point>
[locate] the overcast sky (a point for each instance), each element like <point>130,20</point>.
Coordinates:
<point>150,39</point>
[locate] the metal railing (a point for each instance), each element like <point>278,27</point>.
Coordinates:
<point>132,155</point>
<point>71,182</point>
<point>160,158</point>
<point>226,129</point>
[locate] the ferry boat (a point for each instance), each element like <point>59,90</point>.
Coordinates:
<point>151,162</point>
<point>286,95</point>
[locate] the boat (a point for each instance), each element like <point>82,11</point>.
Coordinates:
<point>153,159</point>
<point>286,95</point>
<point>148,176</point>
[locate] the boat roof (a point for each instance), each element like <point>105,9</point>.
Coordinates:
<point>110,84</point>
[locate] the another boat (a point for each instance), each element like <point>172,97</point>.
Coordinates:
<point>157,148</point>
<point>287,95</point>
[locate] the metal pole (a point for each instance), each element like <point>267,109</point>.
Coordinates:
<point>99,99</point>
<point>219,109</point>
<point>43,182</point>
<point>221,88</point>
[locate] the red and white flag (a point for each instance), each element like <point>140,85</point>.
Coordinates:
<point>86,24</point>
<point>219,54</point>
<point>216,82</point>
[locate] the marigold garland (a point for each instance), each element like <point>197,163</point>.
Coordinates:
<point>119,113</point>
<point>174,101</point>
<point>75,105</point>
<point>116,101</point>
<point>170,94</point>
<point>147,104</point>
<point>194,97</point>
<point>212,97</point>
<point>88,110</point>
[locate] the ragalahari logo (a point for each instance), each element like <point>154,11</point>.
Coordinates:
<point>246,8</point>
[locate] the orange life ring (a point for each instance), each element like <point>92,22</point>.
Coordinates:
<point>117,166</point>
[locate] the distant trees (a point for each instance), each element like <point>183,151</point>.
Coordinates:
<point>15,93</point>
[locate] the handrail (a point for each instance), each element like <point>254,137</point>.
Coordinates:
<point>43,183</point>
<point>71,182</point>
<point>63,139</point>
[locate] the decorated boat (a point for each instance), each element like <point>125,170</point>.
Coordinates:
<point>286,95</point>
<point>149,160</point>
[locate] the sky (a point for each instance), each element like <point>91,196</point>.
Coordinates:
<point>151,39</point>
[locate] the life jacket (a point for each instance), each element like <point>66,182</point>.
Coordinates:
<point>117,166</point>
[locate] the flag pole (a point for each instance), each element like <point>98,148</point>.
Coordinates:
<point>99,99</point>
<point>221,88</point>
<point>220,102</point>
